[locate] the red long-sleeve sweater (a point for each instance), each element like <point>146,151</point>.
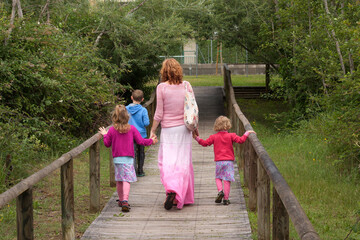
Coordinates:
<point>223,144</point>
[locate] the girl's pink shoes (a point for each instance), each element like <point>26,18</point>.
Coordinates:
<point>125,207</point>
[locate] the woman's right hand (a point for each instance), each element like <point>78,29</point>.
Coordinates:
<point>153,135</point>
<point>155,140</point>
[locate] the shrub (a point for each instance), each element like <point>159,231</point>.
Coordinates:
<point>53,92</point>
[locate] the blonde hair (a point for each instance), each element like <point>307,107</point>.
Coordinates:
<point>171,71</point>
<point>138,95</point>
<point>120,118</point>
<point>222,123</point>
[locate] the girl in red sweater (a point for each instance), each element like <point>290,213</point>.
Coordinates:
<point>224,155</point>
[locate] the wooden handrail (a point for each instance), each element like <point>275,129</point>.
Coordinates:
<point>23,190</point>
<point>30,181</point>
<point>259,170</point>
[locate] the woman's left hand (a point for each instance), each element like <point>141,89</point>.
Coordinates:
<point>195,133</point>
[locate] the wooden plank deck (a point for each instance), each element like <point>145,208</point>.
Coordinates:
<point>205,219</point>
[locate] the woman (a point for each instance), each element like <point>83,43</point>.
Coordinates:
<point>175,156</point>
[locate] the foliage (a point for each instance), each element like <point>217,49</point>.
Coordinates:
<point>304,158</point>
<point>340,122</point>
<point>52,91</point>
<point>134,40</point>
<point>66,62</point>
<point>315,46</point>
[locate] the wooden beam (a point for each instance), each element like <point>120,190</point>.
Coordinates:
<point>297,215</point>
<point>24,215</point>
<point>253,159</point>
<point>112,170</point>
<point>94,177</point>
<point>267,77</point>
<point>67,201</point>
<point>280,219</point>
<point>263,203</point>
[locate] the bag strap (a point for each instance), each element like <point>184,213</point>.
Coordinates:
<point>186,85</point>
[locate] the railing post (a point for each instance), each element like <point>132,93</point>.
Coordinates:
<point>246,163</point>
<point>263,203</point>
<point>95,177</point>
<point>267,77</point>
<point>67,200</point>
<point>252,178</point>
<point>280,218</point>
<point>237,146</point>
<point>24,215</point>
<point>242,146</point>
<point>112,170</point>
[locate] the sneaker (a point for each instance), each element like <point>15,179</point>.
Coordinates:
<point>219,197</point>
<point>125,207</point>
<point>141,174</point>
<point>119,202</point>
<point>226,202</point>
<point>169,200</point>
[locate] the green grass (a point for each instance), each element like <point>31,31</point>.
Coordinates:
<point>329,199</point>
<point>218,80</point>
<point>237,80</point>
<point>47,201</point>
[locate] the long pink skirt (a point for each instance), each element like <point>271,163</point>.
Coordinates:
<point>175,163</point>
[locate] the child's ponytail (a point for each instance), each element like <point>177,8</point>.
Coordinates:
<point>120,118</point>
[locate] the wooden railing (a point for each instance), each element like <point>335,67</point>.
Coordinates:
<point>259,170</point>
<point>23,190</point>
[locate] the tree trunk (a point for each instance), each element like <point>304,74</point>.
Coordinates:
<point>16,6</point>
<point>45,9</point>
<point>351,62</point>
<point>217,56</point>
<point>324,84</point>
<point>19,10</point>
<point>221,59</point>
<point>98,39</point>
<point>310,15</point>
<point>335,39</point>
<point>276,3</point>
<point>136,8</point>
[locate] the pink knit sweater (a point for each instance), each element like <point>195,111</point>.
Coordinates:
<point>170,104</point>
<point>122,144</point>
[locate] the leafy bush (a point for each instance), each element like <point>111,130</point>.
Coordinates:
<point>52,92</point>
<point>53,76</point>
<point>339,126</point>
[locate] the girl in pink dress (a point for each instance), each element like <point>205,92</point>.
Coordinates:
<point>224,155</point>
<point>175,156</point>
<point>121,138</point>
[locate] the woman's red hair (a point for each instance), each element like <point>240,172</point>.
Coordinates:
<point>171,71</point>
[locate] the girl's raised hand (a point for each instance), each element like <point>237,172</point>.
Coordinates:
<point>251,131</point>
<point>103,131</point>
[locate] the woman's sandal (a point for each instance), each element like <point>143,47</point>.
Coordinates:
<point>169,200</point>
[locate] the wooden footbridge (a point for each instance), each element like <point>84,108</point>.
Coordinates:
<point>202,220</point>
<point>205,219</point>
